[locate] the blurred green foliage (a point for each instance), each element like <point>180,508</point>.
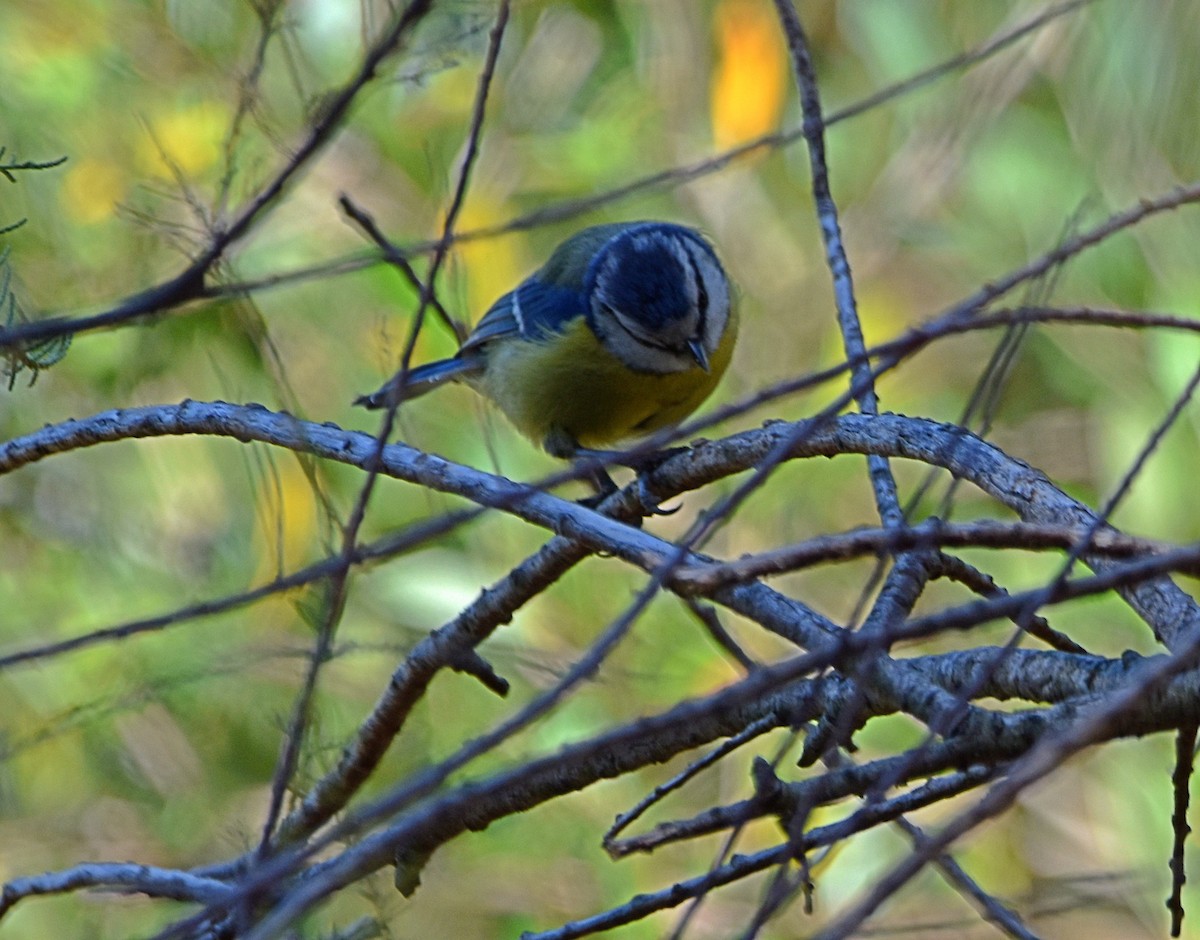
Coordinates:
<point>161,748</point>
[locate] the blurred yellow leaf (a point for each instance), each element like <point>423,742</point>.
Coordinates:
<point>187,140</point>
<point>91,189</point>
<point>493,265</point>
<point>287,520</point>
<point>751,75</point>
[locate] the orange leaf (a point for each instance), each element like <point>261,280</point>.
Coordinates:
<point>751,76</point>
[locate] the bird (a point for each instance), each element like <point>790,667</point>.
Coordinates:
<point>626,329</point>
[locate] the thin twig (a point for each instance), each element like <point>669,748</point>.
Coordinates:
<point>863,387</point>
<point>334,602</point>
<point>1181,778</point>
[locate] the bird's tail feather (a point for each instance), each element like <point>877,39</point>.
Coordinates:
<point>404,386</point>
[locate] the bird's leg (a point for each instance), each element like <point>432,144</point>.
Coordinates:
<point>562,444</point>
<point>559,443</point>
<point>591,465</point>
<point>594,460</point>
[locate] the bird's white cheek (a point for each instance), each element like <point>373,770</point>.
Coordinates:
<point>715,328</point>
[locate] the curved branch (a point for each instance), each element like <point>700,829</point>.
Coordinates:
<point>127,877</point>
<point>1171,613</point>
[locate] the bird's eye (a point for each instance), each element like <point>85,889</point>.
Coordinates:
<point>635,328</point>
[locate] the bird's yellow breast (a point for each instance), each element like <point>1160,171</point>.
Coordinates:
<point>569,382</point>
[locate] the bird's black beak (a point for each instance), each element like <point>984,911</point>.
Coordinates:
<point>696,348</point>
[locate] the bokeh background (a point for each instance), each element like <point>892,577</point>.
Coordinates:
<point>161,748</point>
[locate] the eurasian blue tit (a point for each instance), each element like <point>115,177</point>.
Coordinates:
<point>626,329</point>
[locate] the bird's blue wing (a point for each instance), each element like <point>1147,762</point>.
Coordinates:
<point>534,310</point>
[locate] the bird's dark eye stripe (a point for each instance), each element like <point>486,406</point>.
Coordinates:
<point>640,336</point>
<point>701,291</point>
